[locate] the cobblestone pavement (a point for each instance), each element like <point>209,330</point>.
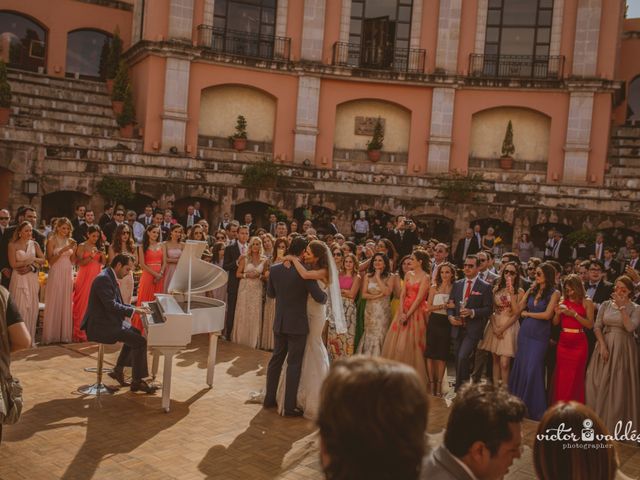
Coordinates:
<point>214,434</point>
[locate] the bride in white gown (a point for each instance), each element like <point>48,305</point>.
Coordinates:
<point>315,363</point>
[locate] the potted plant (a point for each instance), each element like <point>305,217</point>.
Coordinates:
<point>127,118</point>
<point>112,60</point>
<point>239,139</point>
<point>376,143</point>
<point>120,85</point>
<point>5,95</point>
<point>508,149</point>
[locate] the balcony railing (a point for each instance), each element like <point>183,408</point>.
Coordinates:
<point>409,60</point>
<point>517,66</point>
<point>242,44</point>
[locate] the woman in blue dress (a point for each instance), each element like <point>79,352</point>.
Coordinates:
<point>537,310</point>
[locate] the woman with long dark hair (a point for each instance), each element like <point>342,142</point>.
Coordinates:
<point>574,314</point>
<point>376,290</point>
<point>152,257</point>
<point>438,326</point>
<point>122,242</point>
<point>537,309</point>
<point>502,329</point>
<point>90,258</point>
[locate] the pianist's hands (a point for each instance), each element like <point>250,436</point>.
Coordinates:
<point>143,310</point>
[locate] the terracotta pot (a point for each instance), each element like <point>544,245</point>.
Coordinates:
<point>506,163</point>
<point>117,106</point>
<point>239,144</point>
<point>374,155</point>
<point>110,86</point>
<point>127,131</point>
<point>4,115</point>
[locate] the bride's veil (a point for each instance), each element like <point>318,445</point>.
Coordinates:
<point>335,297</point>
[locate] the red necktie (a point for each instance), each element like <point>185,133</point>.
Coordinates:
<point>467,292</point>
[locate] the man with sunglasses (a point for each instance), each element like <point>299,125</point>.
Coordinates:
<point>109,228</point>
<point>472,307</point>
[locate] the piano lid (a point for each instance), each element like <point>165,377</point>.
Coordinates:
<point>205,276</point>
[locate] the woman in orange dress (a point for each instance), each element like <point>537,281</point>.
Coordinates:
<point>90,257</point>
<point>152,258</point>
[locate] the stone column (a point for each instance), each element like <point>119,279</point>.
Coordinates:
<point>306,131</point>
<point>174,115</point>
<point>313,30</point>
<point>585,50</point>
<point>440,131</point>
<point>209,9</point>
<point>181,19</point>
<point>448,35</point>
<point>345,21</point>
<point>281,18</point>
<point>576,156</point>
<point>136,29</point>
<point>556,27</point>
<point>481,26</point>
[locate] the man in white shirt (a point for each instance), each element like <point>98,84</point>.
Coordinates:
<point>136,227</point>
<point>196,209</point>
<point>361,227</point>
<point>440,254</point>
<point>483,436</point>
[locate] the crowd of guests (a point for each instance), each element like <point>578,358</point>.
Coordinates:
<point>548,331</point>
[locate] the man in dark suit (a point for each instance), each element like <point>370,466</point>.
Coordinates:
<point>482,438</point>
<point>78,220</point>
<point>110,228</point>
<point>612,267</point>
<point>561,251</point>
<point>104,322</point>
<point>290,327</point>
<point>473,305</point>
<point>80,235</point>
<point>634,261</point>
<point>599,290</point>
<point>273,225</point>
<point>466,246</point>
<point>248,221</point>
<point>230,264</point>
<point>333,226</point>
<point>190,219</point>
<point>224,223</point>
<point>107,216</point>
<point>29,214</point>
<point>596,249</point>
<point>404,237</point>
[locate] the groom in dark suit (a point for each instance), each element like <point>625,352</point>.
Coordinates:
<point>473,307</point>
<point>104,323</point>
<point>290,327</point>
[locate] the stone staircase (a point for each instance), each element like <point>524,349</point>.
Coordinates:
<point>68,117</point>
<point>624,155</point>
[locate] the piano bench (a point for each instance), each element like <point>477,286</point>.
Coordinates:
<point>98,388</point>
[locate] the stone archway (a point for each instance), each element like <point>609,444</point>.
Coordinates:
<point>207,208</point>
<point>435,226</point>
<point>62,204</point>
<point>259,210</point>
<point>502,229</point>
<point>539,232</point>
<point>320,217</point>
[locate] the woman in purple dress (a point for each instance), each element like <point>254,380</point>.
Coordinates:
<point>537,310</point>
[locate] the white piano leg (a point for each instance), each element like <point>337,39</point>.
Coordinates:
<point>154,363</point>
<point>166,380</point>
<point>211,360</point>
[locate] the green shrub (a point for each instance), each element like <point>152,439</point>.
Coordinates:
<point>128,115</point>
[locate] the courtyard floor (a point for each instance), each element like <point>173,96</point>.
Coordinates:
<point>209,433</point>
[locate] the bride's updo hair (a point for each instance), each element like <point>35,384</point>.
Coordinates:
<point>320,252</point>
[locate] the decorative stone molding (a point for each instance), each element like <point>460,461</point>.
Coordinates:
<point>181,19</point>
<point>585,53</point>
<point>448,35</point>
<point>313,30</point>
<point>306,130</point>
<point>440,131</point>
<point>576,157</point>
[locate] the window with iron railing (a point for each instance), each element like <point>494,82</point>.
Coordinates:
<point>542,67</point>
<point>267,47</point>
<point>409,60</point>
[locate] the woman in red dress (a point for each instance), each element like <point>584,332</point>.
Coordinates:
<point>574,313</point>
<point>152,258</point>
<point>90,257</point>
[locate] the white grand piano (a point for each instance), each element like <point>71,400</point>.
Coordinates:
<point>181,313</point>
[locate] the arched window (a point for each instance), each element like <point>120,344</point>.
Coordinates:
<point>87,52</point>
<point>633,100</point>
<point>23,43</point>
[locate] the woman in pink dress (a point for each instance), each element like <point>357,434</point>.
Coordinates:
<point>90,258</point>
<point>173,247</point>
<point>574,313</point>
<point>405,340</point>
<point>58,307</point>
<point>23,254</point>
<point>123,243</point>
<point>341,345</point>
<point>152,258</point>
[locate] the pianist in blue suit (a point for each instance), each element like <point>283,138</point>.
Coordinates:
<point>104,322</point>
